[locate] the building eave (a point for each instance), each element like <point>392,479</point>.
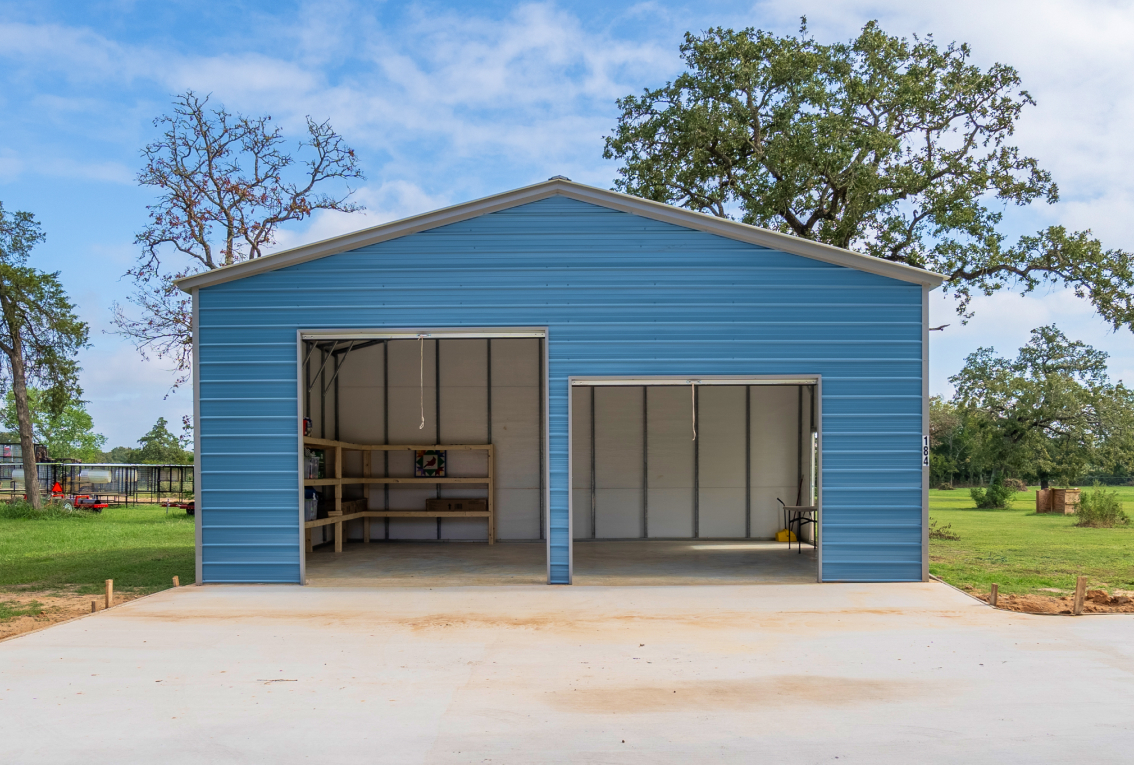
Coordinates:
<point>561,187</point>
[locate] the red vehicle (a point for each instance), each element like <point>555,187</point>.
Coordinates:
<point>77,501</point>
<point>189,507</point>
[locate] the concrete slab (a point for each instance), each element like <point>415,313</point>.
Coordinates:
<point>537,674</point>
<point>597,562</point>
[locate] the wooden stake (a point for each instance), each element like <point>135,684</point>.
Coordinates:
<point>176,582</point>
<point>109,593</point>
<point>994,595</point>
<point>94,606</point>
<point>1080,595</point>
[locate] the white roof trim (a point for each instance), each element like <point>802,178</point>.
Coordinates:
<point>558,187</point>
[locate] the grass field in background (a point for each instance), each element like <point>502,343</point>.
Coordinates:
<point>1025,553</point>
<point>139,547</point>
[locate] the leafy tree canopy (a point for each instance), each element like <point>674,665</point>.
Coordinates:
<point>39,334</point>
<point>161,447</point>
<point>899,149</point>
<point>1051,411</point>
<point>119,454</point>
<point>67,434</point>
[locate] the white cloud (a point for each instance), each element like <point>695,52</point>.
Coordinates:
<point>534,86</point>
<point>390,201</point>
<point>125,395</point>
<point>1004,321</point>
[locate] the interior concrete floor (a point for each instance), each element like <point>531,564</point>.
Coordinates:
<point>814,673</point>
<point>597,562</point>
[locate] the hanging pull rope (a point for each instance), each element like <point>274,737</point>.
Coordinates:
<point>693,396</point>
<point>421,376</point>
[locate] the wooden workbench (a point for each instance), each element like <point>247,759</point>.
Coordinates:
<point>358,508</point>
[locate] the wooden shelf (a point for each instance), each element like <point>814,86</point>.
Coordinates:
<point>366,481</point>
<point>349,481</point>
<point>396,514</point>
<point>352,447</point>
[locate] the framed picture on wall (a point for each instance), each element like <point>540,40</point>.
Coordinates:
<point>429,463</point>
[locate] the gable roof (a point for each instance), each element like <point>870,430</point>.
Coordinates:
<point>559,186</point>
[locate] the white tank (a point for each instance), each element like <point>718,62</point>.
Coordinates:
<point>94,476</point>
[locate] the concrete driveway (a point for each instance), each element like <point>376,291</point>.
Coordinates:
<point>913,673</point>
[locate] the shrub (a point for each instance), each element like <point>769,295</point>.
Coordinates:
<point>1015,484</point>
<point>995,497</point>
<point>945,532</point>
<point>1101,509</point>
<point>21,509</point>
<point>945,487</point>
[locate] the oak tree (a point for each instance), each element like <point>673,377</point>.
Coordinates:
<point>900,149</point>
<point>226,183</point>
<point>1052,411</point>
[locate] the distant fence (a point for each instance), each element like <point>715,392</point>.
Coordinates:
<point>115,484</point>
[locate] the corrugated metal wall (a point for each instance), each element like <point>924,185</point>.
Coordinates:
<point>621,295</point>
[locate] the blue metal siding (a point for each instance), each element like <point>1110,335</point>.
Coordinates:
<point>621,295</point>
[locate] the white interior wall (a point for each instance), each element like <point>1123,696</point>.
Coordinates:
<point>581,463</point>
<point>618,463</point>
<point>361,415</point>
<point>720,436</point>
<point>774,462</point>
<point>464,419</point>
<point>721,442</point>
<point>670,414</point>
<point>516,372</point>
<point>408,359</point>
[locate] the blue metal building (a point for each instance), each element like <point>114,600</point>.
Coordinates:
<point>622,291</point>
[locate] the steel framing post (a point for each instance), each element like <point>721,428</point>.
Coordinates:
<point>747,461</point>
<point>386,434</point>
<point>645,462</point>
<point>322,394</point>
<point>437,413</point>
<point>539,376</point>
<point>593,503</point>
<point>799,448</point>
<point>488,388</point>
<point>696,469</point>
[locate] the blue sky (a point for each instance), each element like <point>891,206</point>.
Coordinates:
<point>447,102</point>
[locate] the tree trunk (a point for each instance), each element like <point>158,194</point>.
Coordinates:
<point>1044,483</point>
<point>23,416</point>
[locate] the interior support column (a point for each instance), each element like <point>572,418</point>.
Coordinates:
<point>747,461</point>
<point>542,485</point>
<point>307,382</point>
<point>437,414</point>
<point>799,448</point>
<point>593,505</point>
<point>645,462</point>
<point>322,394</point>
<point>696,468</point>
<point>386,433</point>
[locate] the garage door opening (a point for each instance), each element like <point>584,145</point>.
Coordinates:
<point>686,481</point>
<point>423,459</point>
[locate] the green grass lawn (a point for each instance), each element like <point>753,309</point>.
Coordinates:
<point>139,547</point>
<point>1024,552</point>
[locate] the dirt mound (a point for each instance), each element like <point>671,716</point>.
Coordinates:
<point>41,609</point>
<point>1096,602</point>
